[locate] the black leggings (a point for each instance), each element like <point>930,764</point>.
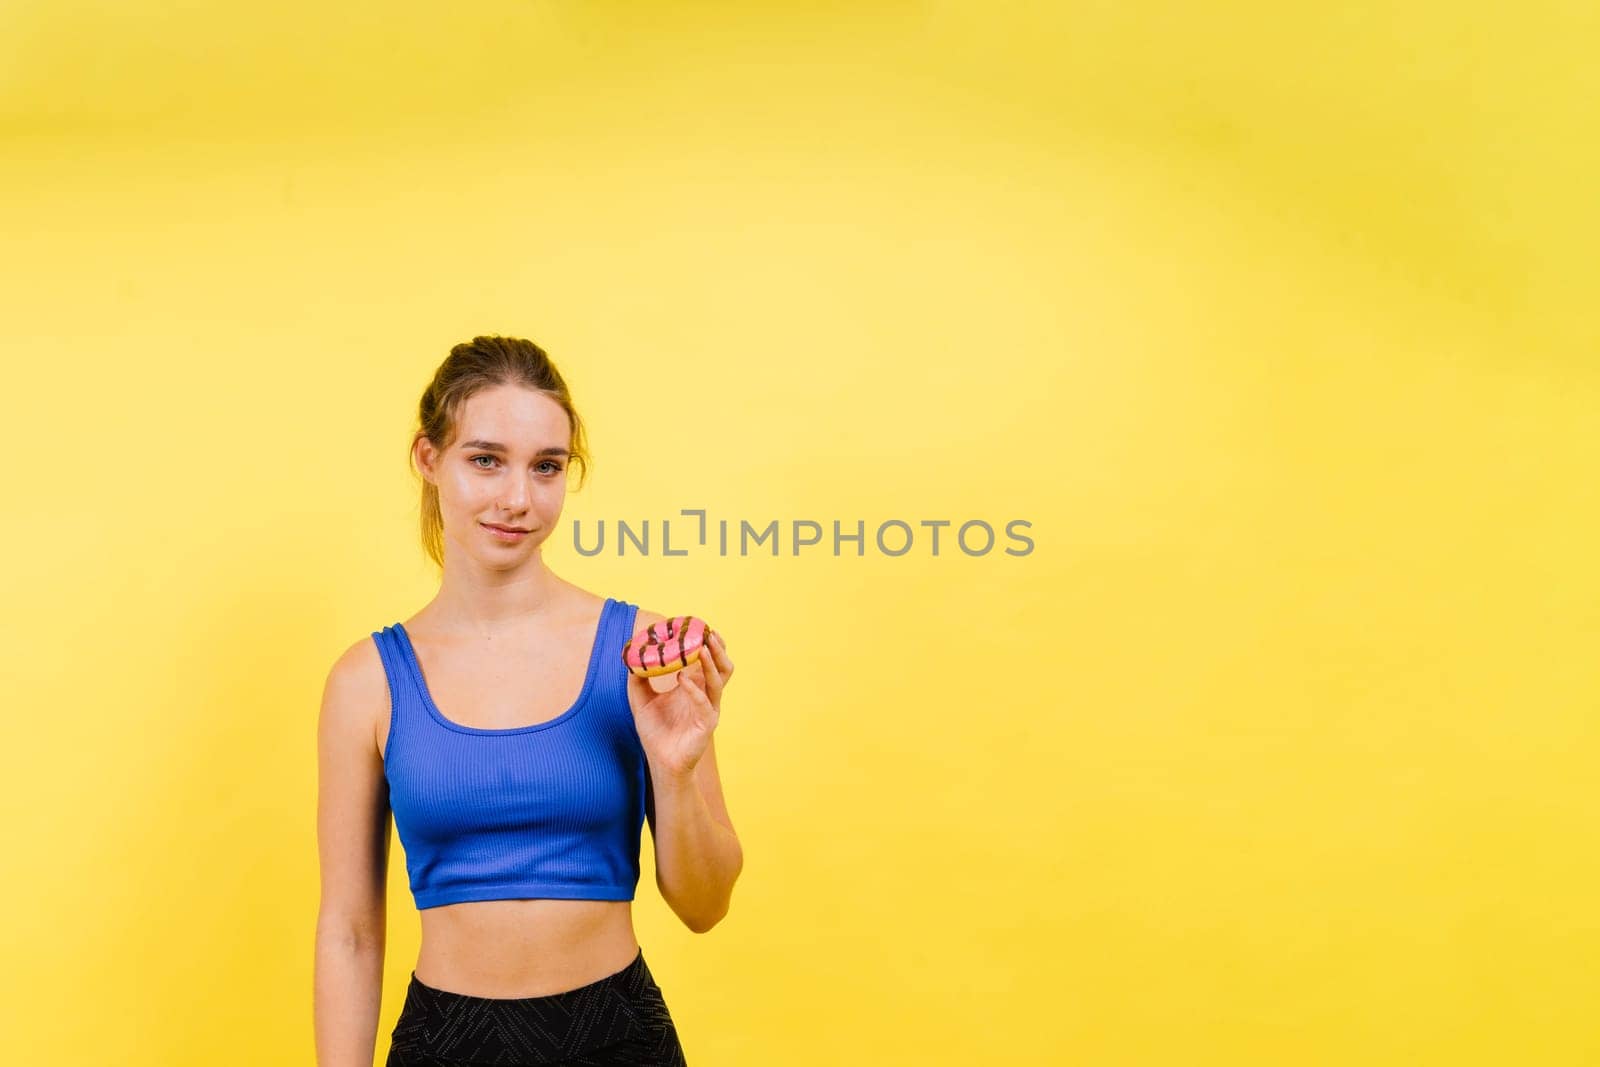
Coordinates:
<point>619,1020</point>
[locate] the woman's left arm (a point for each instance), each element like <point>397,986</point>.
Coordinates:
<point>698,855</point>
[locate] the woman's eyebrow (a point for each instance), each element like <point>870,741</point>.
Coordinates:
<point>495,446</point>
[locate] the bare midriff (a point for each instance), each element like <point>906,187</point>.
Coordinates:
<point>524,948</point>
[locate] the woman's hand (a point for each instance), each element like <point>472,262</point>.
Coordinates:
<point>675,726</point>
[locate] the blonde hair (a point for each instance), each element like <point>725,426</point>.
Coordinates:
<point>482,363</point>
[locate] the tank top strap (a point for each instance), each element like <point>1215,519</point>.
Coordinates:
<point>616,629</point>
<point>403,693</point>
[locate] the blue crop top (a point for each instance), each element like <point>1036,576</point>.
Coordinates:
<point>549,810</point>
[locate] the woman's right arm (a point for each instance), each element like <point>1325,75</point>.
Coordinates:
<point>353,820</point>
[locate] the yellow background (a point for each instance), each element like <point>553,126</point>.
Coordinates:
<point>1272,320</point>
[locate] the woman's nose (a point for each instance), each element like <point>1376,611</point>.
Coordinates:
<point>516,495</point>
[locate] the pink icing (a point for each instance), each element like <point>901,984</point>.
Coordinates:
<point>673,643</point>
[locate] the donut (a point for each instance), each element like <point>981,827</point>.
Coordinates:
<point>665,648</point>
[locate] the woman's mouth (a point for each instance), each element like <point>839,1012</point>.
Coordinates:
<point>503,533</point>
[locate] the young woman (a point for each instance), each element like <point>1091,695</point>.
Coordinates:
<point>519,760</point>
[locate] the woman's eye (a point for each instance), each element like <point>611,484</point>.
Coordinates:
<point>555,468</point>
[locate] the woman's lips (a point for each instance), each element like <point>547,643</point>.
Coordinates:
<point>503,534</point>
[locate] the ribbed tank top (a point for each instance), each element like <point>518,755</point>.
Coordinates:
<point>549,810</point>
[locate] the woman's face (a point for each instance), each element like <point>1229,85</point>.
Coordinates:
<point>507,466</point>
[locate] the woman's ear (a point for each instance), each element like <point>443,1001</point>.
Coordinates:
<point>425,455</point>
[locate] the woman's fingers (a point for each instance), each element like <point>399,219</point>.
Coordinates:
<point>719,651</point>
<point>713,676</point>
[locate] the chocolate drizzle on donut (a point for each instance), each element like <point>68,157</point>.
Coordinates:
<point>658,637</point>
<point>656,645</point>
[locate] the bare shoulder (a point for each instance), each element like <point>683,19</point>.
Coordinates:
<point>580,603</point>
<point>646,617</point>
<point>356,694</point>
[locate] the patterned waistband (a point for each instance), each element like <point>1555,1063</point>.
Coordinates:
<point>456,1026</point>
